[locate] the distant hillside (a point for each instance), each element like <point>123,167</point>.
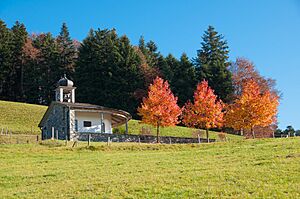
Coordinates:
<point>21,117</point>
<point>24,118</point>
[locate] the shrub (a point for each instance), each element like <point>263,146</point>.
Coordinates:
<point>198,132</point>
<point>145,131</point>
<point>222,136</point>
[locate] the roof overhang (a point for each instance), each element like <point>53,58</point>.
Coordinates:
<point>118,117</point>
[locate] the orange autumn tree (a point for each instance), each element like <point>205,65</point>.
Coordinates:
<point>160,108</point>
<point>206,111</point>
<point>252,108</point>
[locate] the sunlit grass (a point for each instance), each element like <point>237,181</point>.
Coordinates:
<point>20,117</point>
<point>243,169</point>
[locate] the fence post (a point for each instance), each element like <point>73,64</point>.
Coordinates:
<point>170,140</point>
<point>57,134</point>
<point>199,139</point>
<point>10,135</point>
<point>89,139</point>
<point>66,139</point>
<point>52,130</point>
<point>108,140</point>
<point>139,140</point>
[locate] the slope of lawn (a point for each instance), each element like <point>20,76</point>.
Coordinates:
<point>135,127</point>
<point>243,169</point>
<point>22,117</point>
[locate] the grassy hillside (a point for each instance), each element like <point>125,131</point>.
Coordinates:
<point>246,169</point>
<point>135,127</point>
<point>21,117</point>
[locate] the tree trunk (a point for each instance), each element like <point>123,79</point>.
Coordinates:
<point>157,132</point>
<point>207,136</point>
<point>252,131</point>
<point>242,132</point>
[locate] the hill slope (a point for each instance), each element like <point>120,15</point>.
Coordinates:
<point>135,127</point>
<point>22,117</point>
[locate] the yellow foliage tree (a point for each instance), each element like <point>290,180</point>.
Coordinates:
<point>252,108</point>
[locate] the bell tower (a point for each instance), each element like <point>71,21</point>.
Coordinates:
<point>65,92</point>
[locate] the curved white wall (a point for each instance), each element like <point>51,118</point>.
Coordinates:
<point>95,118</point>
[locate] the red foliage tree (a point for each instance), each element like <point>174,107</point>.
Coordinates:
<point>206,111</point>
<point>160,108</point>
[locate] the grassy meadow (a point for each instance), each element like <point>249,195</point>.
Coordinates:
<point>266,168</point>
<point>21,117</point>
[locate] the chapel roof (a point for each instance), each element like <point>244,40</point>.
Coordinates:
<point>119,117</point>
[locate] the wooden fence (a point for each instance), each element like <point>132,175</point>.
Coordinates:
<point>11,138</point>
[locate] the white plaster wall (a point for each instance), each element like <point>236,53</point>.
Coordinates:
<point>95,118</point>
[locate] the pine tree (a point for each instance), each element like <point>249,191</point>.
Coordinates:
<point>48,67</point>
<point>5,60</point>
<point>167,67</point>
<point>150,52</point>
<point>31,72</point>
<point>212,63</point>
<point>18,41</point>
<point>184,80</point>
<point>67,52</point>
<point>107,71</point>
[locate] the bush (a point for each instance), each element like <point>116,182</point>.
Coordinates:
<point>118,131</point>
<point>222,136</point>
<point>145,131</point>
<point>198,132</point>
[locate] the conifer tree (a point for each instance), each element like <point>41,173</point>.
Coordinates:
<point>212,62</point>
<point>107,71</point>
<point>48,67</point>
<point>18,42</point>
<point>167,68</point>
<point>184,80</point>
<point>31,72</point>
<point>5,60</point>
<point>67,52</point>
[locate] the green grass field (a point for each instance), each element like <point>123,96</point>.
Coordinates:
<point>242,169</point>
<point>21,117</point>
<point>24,118</point>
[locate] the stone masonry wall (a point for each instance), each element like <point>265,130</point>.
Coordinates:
<point>101,137</point>
<point>58,119</point>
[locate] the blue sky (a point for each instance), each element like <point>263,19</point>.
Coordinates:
<point>264,31</point>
